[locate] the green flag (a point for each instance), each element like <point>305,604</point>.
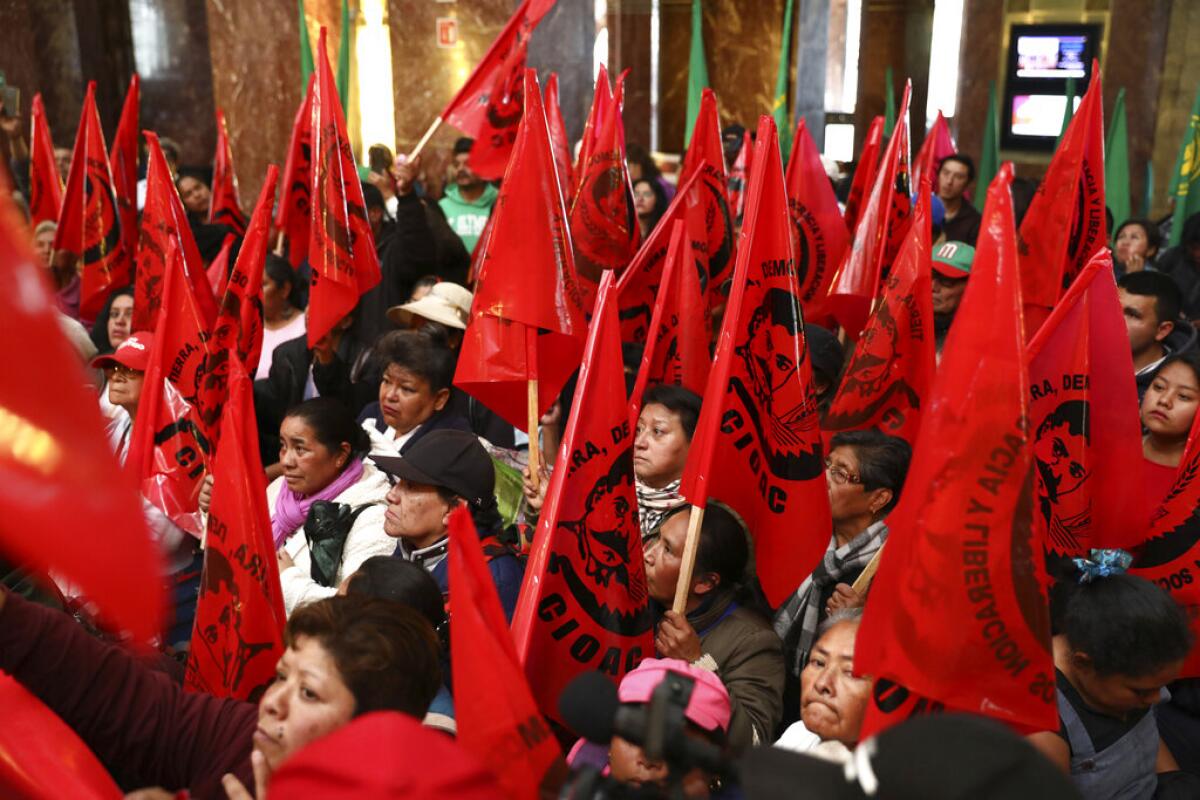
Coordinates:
<point>343,72</point>
<point>697,72</point>
<point>1148,191</point>
<point>779,107</point>
<point>306,58</point>
<point>1187,174</point>
<point>989,154</point>
<point>889,104</point>
<point>1068,112</point>
<point>1117,193</point>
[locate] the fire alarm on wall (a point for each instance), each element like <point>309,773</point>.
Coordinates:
<point>447,32</point>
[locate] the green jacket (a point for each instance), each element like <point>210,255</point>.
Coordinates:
<point>468,219</point>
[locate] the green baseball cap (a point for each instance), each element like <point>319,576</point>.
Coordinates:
<point>953,259</point>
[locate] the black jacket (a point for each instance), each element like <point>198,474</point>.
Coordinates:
<point>445,419</point>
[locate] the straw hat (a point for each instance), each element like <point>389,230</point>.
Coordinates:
<point>447,303</point>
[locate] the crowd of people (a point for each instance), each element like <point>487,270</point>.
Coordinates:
<point>364,433</point>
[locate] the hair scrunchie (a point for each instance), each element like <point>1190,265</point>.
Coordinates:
<point>1102,563</point>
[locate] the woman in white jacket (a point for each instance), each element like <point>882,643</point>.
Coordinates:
<point>321,451</point>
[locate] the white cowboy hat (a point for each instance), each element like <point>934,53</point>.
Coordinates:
<point>446,303</point>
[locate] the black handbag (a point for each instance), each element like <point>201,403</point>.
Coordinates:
<point>326,528</point>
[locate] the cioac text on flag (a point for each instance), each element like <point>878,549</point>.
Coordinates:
<point>28,444</point>
<point>584,647</point>
<point>775,495</point>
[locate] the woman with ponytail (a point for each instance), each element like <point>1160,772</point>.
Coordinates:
<point>1119,641</point>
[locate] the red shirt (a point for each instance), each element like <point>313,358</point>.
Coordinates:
<point>1159,480</point>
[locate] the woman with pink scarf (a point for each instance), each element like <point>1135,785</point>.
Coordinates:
<point>321,450</point>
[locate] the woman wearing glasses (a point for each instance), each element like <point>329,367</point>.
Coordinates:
<point>124,373</point>
<point>865,472</point>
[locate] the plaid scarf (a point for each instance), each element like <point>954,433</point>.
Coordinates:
<point>797,620</point>
<point>653,504</point>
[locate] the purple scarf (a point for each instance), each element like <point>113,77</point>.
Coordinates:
<point>291,509</point>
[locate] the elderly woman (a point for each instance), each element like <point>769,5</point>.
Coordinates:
<point>344,657</point>
<point>833,699</point>
<point>328,496</point>
<point>721,630</point>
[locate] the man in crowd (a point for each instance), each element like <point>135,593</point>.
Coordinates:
<point>469,199</point>
<point>1150,302</point>
<point>951,268</point>
<point>961,222</point>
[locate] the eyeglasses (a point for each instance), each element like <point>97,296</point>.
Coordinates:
<point>124,372</point>
<point>840,475</point>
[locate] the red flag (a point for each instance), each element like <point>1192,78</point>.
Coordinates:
<point>225,208</point>
<point>498,719</point>
<point>45,184</point>
<point>169,446</point>
<point>819,232</point>
<point>678,352</point>
<point>736,186</point>
<point>604,224</point>
<point>41,757</point>
<point>89,225</point>
<point>165,221</point>
<point>1171,549</point>
<point>602,101</point>
<point>558,135</point>
<point>758,425</point>
<point>706,156</point>
<point>124,160</point>
<point>937,146</point>
<point>46,489</point>
<point>638,285</point>
<point>1065,223</point>
<point>962,570</point>
<point>238,634</point>
<point>527,320</point>
<point>584,604</point>
<point>877,238</point>
<point>474,109</point>
<point>341,248</point>
<point>864,173</point>
<point>1083,412</point>
<point>218,270</point>
<point>887,382</point>
<point>295,196</point>
<point>238,331</point>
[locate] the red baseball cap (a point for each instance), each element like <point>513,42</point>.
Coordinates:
<point>383,754</point>
<point>134,353</point>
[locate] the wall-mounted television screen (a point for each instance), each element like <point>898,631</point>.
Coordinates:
<point>1041,60</point>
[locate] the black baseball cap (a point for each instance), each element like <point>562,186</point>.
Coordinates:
<point>451,459</point>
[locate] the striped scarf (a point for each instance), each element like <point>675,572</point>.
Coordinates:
<point>653,504</point>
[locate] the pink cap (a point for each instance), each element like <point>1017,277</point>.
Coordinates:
<point>133,353</point>
<point>708,706</point>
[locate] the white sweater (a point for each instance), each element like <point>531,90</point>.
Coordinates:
<point>366,539</point>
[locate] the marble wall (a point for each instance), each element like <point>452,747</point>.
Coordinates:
<point>741,41</point>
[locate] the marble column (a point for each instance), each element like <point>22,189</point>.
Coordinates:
<point>811,55</point>
<point>39,52</point>
<point>563,44</point>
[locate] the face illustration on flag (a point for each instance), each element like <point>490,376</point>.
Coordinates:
<point>1060,452</point>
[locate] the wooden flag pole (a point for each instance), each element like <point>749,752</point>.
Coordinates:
<point>279,244</point>
<point>688,560</point>
<point>437,123</point>
<point>863,582</point>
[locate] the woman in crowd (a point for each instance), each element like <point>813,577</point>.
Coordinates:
<point>1120,640</point>
<point>321,451</point>
<point>344,657</point>
<point>404,582</point>
<point>115,322</point>
<point>641,165</point>
<point>1135,246</point>
<point>707,717</point>
<point>660,449</point>
<point>1168,408</point>
<point>283,319</point>
<point>833,698</point>
<point>439,473</point>
<point>865,472</point>
<point>413,394</point>
<point>125,374</point>
<point>43,241</point>
<point>721,629</point>
<point>195,195</point>
<point>650,202</point>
